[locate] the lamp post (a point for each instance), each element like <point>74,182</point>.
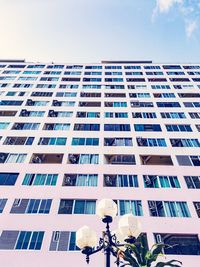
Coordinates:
<point>109,243</point>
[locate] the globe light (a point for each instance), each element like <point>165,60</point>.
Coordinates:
<point>129,226</point>
<point>106,208</point>
<point>86,237</point>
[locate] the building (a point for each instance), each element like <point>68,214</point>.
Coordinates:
<point>74,133</point>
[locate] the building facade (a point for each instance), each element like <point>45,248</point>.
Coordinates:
<point>71,134</point>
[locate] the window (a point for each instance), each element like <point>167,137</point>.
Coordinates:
<point>4,125</point>
<point>169,67</point>
<point>85,141</point>
<point>157,80</point>
<point>27,113</point>
<point>10,103</point>
<point>35,66</point>
<point>90,79</point>
<point>49,86</point>
<point>145,115</point>
<point>113,73</point>
<point>156,160</point>
<point>178,128</point>
<point>40,179</point>
<point>116,115</point>
<point>57,103</point>
<point>69,86</point>
<point>89,104</point>
<point>139,95</point>
<point>93,67</point>
<point>77,67</point>
<point>66,94</point>
<point>14,140</point>
<point>179,244</point>
<point>83,158</point>
<point>46,158</point>
<point>154,73</point>
<point>86,127</point>
<point>120,180</point>
<point>30,102</point>
<point>84,94</point>
<point>56,126</point>
<point>115,86</point>
<point>198,127</point>
<point>19,240</point>
<point>194,115</point>
<point>7,113</point>
<point>179,80</point>
<point>191,104</point>
<point>120,159</point>
<point>117,127</point>
<point>63,241</point>
<point>168,209</point>
<point>189,95</point>
<point>49,79</point>
<point>52,72</point>
<point>157,181</point>
<point>115,104</point>
<point>160,86</point>
<point>81,114</point>
<point>188,160</point>
<point>134,80</point>
<point>168,104</point>
<point>130,206</point>
<point>134,73</point>
<point>15,158</point>
<point>192,182</point>
<point>172,115</point>
<point>25,126</point>
<point>77,206</point>
<point>175,73</point>
<point>197,208</point>
<point>139,104</point>
<point>31,206</point>
<point>29,240</point>
<point>151,67</point>
<point>91,86</point>
<point>164,95</point>
<point>43,94</point>
<point>151,142</point>
<point>132,67</point>
<point>178,142</point>
<point>120,95</point>
<point>93,73</point>
<point>147,128</point>
<point>55,66</point>
<point>80,180</point>
<point>2,204</point>
<point>52,141</point>
<point>112,67</point>
<point>7,178</point>
<point>116,141</point>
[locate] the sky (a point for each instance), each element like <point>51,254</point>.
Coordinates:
<point>93,30</point>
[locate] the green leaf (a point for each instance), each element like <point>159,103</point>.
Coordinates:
<point>135,250</point>
<point>169,263</point>
<point>128,257</point>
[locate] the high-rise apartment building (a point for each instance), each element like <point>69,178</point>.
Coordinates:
<point>74,133</point>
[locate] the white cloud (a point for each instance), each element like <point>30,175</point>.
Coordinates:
<point>189,9</point>
<point>191,26</point>
<point>165,5</point>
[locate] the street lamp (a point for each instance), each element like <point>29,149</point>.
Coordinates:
<point>128,229</point>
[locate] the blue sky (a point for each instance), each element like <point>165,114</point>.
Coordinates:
<point>95,30</point>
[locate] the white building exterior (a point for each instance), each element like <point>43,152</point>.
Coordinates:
<point>128,131</point>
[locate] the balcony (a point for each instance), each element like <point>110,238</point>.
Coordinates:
<point>46,158</point>
<point>156,160</point>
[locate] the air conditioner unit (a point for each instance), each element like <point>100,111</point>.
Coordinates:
<point>68,180</point>
<point>152,205</point>
<point>147,180</point>
<point>159,239</point>
<point>73,158</point>
<point>56,103</point>
<point>3,157</point>
<point>24,113</point>
<point>36,159</point>
<point>52,113</point>
<point>197,205</point>
<point>10,141</point>
<point>108,180</point>
<point>30,102</point>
